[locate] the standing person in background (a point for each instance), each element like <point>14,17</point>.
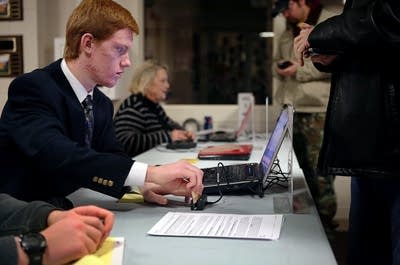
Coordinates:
<point>307,89</point>
<point>141,122</point>
<point>362,129</point>
<point>56,128</point>
<point>40,233</point>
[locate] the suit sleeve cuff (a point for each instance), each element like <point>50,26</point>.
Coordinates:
<point>137,174</point>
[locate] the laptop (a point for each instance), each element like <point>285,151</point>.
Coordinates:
<point>224,136</point>
<point>249,177</point>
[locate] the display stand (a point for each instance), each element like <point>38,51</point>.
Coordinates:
<point>280,180</point>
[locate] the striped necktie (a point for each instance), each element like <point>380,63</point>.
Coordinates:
<point>88,109</point>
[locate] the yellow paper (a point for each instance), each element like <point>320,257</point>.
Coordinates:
<point>90,260</point>
<point>133,196</point>
<point>191,160</point>
<point>110,253</point>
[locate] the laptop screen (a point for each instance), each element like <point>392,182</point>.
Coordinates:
<point>275,141</point>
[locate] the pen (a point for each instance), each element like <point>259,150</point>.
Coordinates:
<point>195,196</point>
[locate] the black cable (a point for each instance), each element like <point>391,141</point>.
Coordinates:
<point>218,183</point>
<point>277,177</point>
<point>250,187</point>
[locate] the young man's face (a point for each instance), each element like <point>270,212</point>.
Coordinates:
<point>110,57</point>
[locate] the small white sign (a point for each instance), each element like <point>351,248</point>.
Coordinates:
<point>246,113</point>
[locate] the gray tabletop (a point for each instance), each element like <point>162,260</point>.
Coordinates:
<point>302,239</point>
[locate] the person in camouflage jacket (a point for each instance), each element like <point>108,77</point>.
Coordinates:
<point>307,89</point>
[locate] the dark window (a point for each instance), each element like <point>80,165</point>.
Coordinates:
<point>212,48</point>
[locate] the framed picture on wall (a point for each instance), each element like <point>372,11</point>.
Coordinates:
<point>10,9</point>
<point>11,57</point>
<point>5,65</point>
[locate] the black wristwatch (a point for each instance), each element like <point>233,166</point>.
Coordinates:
<point>34,245</point>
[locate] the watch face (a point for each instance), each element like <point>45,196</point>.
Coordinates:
<point>34,245</point>
<point>34,242</point>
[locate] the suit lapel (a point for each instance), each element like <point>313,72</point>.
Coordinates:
<point>74,111</point>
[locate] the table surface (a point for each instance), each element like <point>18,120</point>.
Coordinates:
<point>302,239</point>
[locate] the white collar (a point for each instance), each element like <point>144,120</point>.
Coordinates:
<point>78,88</point>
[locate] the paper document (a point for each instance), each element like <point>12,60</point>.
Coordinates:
<point>218,225</point>
<point>110,253</point>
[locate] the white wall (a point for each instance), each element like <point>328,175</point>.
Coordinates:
<point>224,116</point>
<point>28,28</point>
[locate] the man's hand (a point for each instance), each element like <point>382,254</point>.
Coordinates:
<point>155,193</point>
<point>182,135</point>
<point>180,178</point>
<point>300,44</point>
<point>92,215</point>
<point>75,233</point>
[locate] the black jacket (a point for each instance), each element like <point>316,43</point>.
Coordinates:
<point>18,217</point>
<point>362,130</point>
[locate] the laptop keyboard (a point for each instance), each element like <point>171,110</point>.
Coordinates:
<point>221,136</point>
<point>185,144</point>
<point>231,174</point>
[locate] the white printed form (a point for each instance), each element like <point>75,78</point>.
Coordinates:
<point>219,225</point>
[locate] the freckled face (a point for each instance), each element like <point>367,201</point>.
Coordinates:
<point>110,57</point>
<point>158,89</point>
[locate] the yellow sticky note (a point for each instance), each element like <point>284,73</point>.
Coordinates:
<point>110,253</point>
<point>191,160</point>
<point>132,197</point>
<point>90,260</point>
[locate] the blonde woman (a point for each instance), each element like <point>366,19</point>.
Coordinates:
<point>141,123</point>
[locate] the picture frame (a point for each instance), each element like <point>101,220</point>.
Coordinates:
<point>11,56</point>
<point>11,10</point>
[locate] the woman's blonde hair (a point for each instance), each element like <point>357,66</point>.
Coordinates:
<point>144,76</point>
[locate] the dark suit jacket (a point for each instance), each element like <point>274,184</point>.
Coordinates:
<point>42,140</point>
